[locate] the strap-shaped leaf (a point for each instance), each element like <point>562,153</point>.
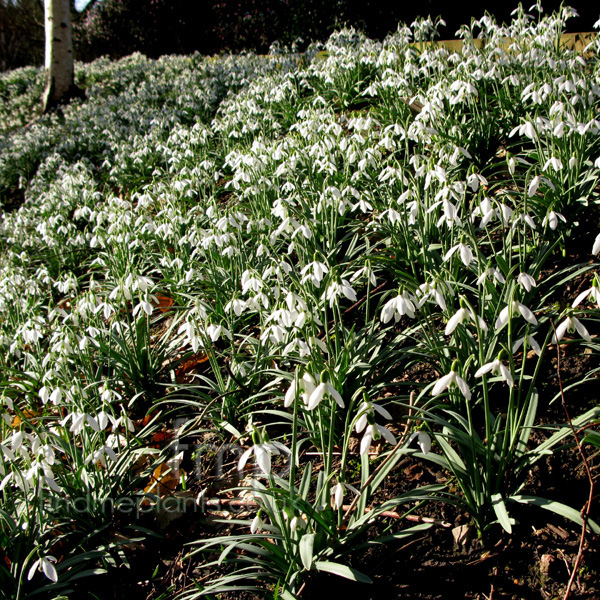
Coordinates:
<point>501,512</point>
<point>342,571</point>
<point>556,507</point>
<point>306,545</point>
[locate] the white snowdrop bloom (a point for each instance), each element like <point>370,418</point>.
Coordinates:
<point>99,456</point>
<point>145,306</point>
<point>236,305</point>
<point>433,293</point>
<point>466,254</point>
<point>374,432</point>
<point>449,381</point>
<point>462,315</point>
<point>512,308</point>
<point>553,162</point>
<point>324,389</point>
<point>531,341</point>
<point>474,180</point>
<point>306,386</point>
<point>526,281</point>
<point>533,186</point>
<point>496,367</point>
<point>314,272</point>
<point>336,289</point>
<point>493,274</point>
<point>423,441</point>
<point>551,219</point>
<point>570,325</point>
<point>596,246</point>
<point>397,307</point>
<point>528,219</point>
<point>338,496</point>
<point>366,270</point>
<point>592,295</point>
<point>262,455</point>
<point>216,331</point>
<point>257,524</point>
<point>45,564</point>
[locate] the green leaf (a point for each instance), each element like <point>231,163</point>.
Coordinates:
<point>306,545</point>
<point>342,571</point>
<point>556,507</point>
<point>305,483</point>
<point>526,429</point>
<point>592,438</point>
<point>501,512</point>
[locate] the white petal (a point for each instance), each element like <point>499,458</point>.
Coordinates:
<point>581,297</point>
<point>365,444</point>
<point>290,395</point>
<point>561,330</point>
<point>502,319</point>
<point>485,368</point>
<point>527,314</point>
<point>454,320</point>
<point>263,458</point>
<point>244,459</point>
<point>335,395</point>
<point>32,569</point>
<point>48,569</point>
<point>387,435</point>
<point>583,332</point>
<point>442,384</point>
<point>383,412</point>
<point>338,496</point>
<point>316,396</point>
<point>463,387</point>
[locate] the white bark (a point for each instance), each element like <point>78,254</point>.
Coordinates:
<point>59,52</point>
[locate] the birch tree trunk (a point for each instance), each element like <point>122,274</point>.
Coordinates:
<point>59,53</point>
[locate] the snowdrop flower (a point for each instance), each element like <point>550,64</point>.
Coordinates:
<point>512,308</point>
<point>526,281</point>
<point>375,432</point>
<point>397,307</point>
<point>433,293</point>
<point>493,274</point>
<point>262,455</point>
<point>366,411</point>
<point>305,387</point>
<point>462,315</point>
<point>533,186</point>
<point>46,566</point>
<point>596,247</point>
<point>257,523</point>
<point>338,496</point>
<point>324,389</point>
<point>314,271</point>
<point>335,289</point>
<point>466,254</point>
<point>592,294</point>
<point>143,305</point>
<point>531,341</point>
<point>423,440</point>
<point>551,219</point>
<point>570,325</point>
<point>450,380</point>
<point>238,306</point>
<point>496,367</point>
<point>99,456</point>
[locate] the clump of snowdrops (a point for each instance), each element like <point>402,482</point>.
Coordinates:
<point>321,228</point>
